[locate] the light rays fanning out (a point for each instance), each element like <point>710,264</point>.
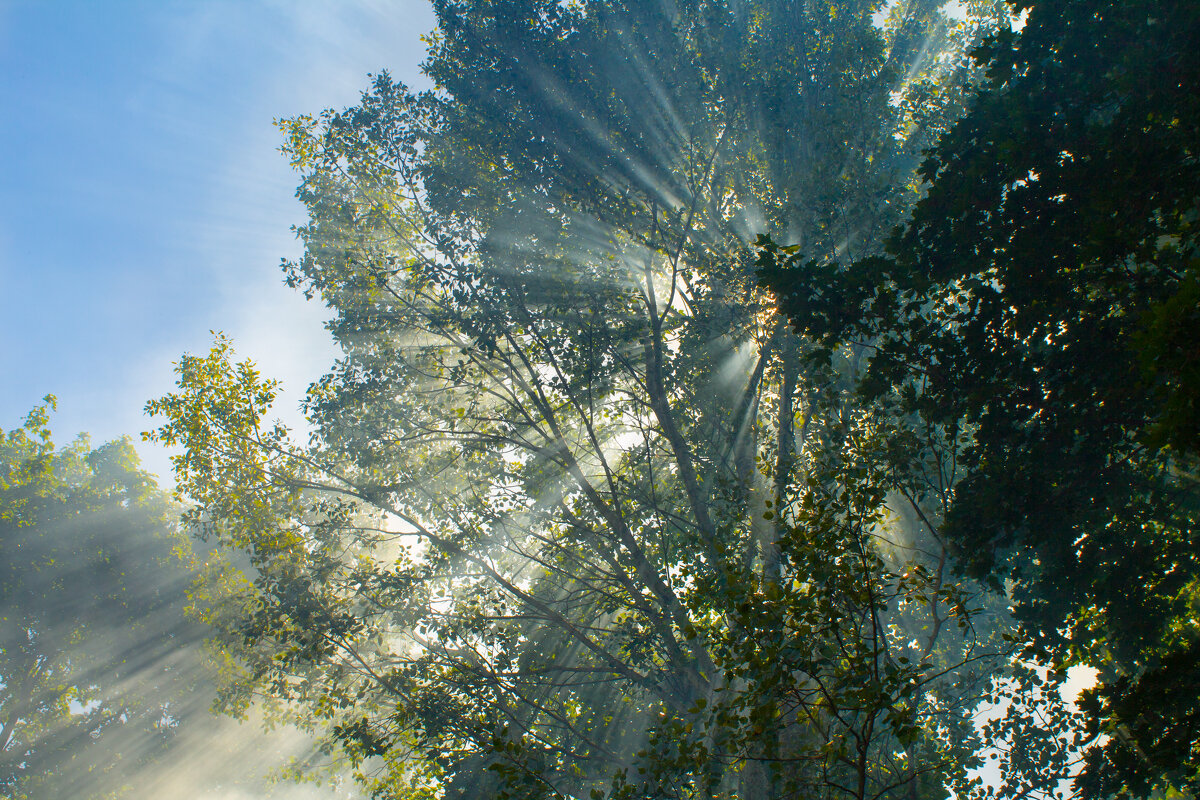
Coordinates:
<point>651,557</point>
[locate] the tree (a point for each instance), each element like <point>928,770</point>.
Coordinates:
<point>92,634</point>
<point>649,556</point>
<point>1043,297</point>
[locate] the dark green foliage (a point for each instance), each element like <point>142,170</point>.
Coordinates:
<point>1043,296</point>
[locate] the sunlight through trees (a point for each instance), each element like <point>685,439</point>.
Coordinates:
<point>582,514</point>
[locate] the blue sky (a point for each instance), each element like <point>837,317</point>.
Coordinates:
<point>143,201</point>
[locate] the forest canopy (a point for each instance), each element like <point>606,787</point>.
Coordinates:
<point>583,514</point>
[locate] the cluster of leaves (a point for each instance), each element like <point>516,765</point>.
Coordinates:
<point>1043,297</point>
<point>93,672</point>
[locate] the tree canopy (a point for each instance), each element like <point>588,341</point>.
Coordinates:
<point>1043,297</point>
<point>581,514</point>
<point>93,658</point>
<point>574,519</point>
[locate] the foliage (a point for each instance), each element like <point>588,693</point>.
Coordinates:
<point>573,518</point>
<point>1043,297</point>
<point>91,677</point>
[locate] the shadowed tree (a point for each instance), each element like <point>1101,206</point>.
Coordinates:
<point>1043,297</point>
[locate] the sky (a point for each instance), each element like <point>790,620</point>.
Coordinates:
<point>143,200</point>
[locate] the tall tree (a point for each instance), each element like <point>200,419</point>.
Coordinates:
<point>649,557</point>
<point>1043,296</point>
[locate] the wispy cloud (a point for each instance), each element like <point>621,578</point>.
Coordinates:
<point>164,208</point>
